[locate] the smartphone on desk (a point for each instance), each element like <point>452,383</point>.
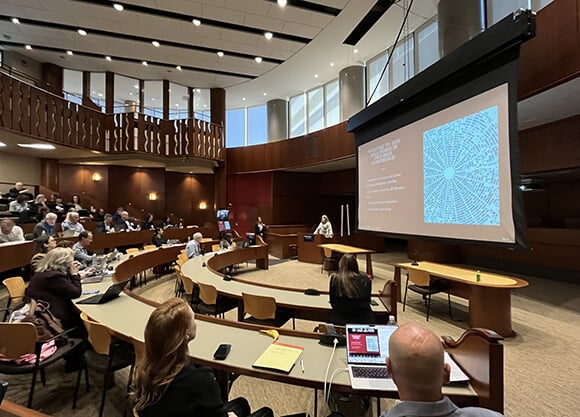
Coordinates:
<point>222,351</point>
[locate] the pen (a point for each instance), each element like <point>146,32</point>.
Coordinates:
<point>302,365</point>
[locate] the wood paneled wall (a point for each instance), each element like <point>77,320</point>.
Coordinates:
<point>185,192</point>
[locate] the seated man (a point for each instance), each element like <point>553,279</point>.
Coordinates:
<point>81,253</point>
<point>193,247</point>
<point>72,223</point>
<point>9,232</point>
<point>106,226</point>
<point>126,224</point>
<point>18,190</point>
<point>46,227</point>
<point>416,363</point>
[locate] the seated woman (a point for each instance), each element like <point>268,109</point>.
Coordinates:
<point>227,242</point>
<point>166,383</point>
<point>57,281</point>
<point>76,202</point>
<point>350,294</point>
<point>43,244</point>
<point>147,224</point>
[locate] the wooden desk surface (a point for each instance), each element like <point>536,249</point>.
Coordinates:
<point>465,275</point>
<point>340,248</point>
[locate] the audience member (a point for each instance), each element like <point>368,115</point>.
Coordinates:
<point>166,224</point>
<point>158,238</point>
<point>193,247</point>
<point>97,215</point>
<point>350,294</point>
<point>18,190</point>
<point>117,219</point>
<point>227,241</point>
<point>147,224</point>
<point>42,245</point>
<point>19,205</point>
<point>416,363</point>
<point>126,223</point>
<point>40,203</point>
<point>65,244</point>
<point>260,228</point>
<point>106,226</point>
<point>324,227</point>
<point>76,203</point>
<point>9,232</point>
<point>167,383</point>
<point>72,223</point>
<point>81,252</point>
<point>46,227</point>
<point>59,205</point>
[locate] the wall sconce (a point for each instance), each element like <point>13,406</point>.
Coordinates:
<point>202,205</point>
<point>97,177</point>
<point>152,196</point>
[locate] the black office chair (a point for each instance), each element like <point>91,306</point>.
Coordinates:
<point>426,286</point>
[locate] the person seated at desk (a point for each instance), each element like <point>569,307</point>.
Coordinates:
<point>158,239</point>
<point>80,248</point>
<point>19,205</point>
<point>350,294</point>
<point>167,223</point>
<point>46,227</point>
<point>117,219</point>
<point>126,224</point>
<point>76,203</point>
<point>106,226</point>
<point>147,224</point>
<point>72,224</point>
<point>227,242</point>
<point>42,245</point>
<point>9,232</point>
<point>193,247</point>
<point>40,204</point>
<point>166,383</point>
<point>17,190</point>
<point>324,227</point>
<point>260,228</point>
<point>416,363</point>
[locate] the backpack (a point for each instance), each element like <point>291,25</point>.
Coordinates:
<point>38,313</point>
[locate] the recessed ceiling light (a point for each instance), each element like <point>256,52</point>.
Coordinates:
<point>197,90</point>
<point>156,44</point>
<point>258,59</point>
<point>265,94</point>
<point>28,47</point>
<point>315,75</point>
<point>2,144</point>
<point>118,7</point>
<point>220,54</point>
<point>332,64</point>
<point>144,63</point>
<point>108,58</point>
<point>82,32</point>
<point>268,35</point>
<point>282,3</point>
<point>178,68</point>
<point>196,22</point>
<point>43,146</point>
<point>70,53</point>
<point>152,98</point>
<point>243,99</point>
<point>355,51</point>
<point>205,105</point>
<point>15,21</point>
<point>136,86</point>
<point>130,94</point>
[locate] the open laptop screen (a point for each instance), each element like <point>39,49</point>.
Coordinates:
<point>368,344</point>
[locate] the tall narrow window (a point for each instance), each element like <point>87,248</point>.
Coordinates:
<point>297,117</point>
<point>97,92</point>
<point>377,86</point>
<point>72,82</point>
<point>235,128</point>
<point>315,109</point>
<point>402,64</point>
<point>178,99</point>
<point>427,45</point>
<point>332,100</point>
<point>257,125</point>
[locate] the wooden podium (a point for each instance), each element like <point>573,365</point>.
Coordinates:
<point>308,250</point>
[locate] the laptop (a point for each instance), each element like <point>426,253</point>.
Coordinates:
<point>98,276</point>
<point>367,349</point>
<point>112,292</point>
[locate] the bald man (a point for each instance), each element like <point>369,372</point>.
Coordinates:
<point>416,363</point>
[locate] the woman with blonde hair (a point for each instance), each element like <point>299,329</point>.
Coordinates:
<point>166,383</point>
<point>350,294</point>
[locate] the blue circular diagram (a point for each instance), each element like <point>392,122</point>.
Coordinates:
<point>461,171</point>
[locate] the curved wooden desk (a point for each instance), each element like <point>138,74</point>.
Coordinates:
<point>489,299</point>
<point>480,354</point>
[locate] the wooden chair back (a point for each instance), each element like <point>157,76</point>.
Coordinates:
<point>207,293</point>
<point>188,284</point>
<point>132,250</point>
<point>327,252</point>
<point>388,297</point>
<point>16,288</point>
<point>149,247</point>
<point>17,339</point>
<point>419,277</point>
<point>259,307</point>
<point>99,335</point>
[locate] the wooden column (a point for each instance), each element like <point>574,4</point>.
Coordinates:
<point>52,78</point>
<point>49,182</point>
<point>218,106</point>
<point>109,92</point>
<point>166,103</point>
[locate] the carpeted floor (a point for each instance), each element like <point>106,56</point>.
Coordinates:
<point>542,371</point>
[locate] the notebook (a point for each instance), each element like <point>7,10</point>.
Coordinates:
<point>112,292</point>
<point>367,348</point>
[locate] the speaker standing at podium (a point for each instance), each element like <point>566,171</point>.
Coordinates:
<point>324,228</point>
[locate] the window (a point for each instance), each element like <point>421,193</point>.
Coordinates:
<point>178,99</point>
<point>315,109</point>
<point>427,45</point>
<point>153,98</point>
<point>201,104</point>
<point>97,92</point>
<point>235,128</point>
<point>72,82</point>
<point>297,116</point>
<point>402,63</point>
<point>126,94</point>
<point>257,125</point>
<point>377,86</point>
<point>498,9</point>
<point>332,102</point>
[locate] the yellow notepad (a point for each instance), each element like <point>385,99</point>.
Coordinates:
<point>279,357</point>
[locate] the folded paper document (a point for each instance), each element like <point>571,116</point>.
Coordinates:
<point>279,357</point>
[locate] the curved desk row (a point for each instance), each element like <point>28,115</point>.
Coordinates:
<point>480,354</point>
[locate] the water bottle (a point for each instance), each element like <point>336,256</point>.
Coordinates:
<point>392,321</point>
<point>477,276</point>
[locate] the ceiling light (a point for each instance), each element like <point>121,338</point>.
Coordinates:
<point>243,99</point>
<point>355,51</point>
<point>15,21</point>
<point>130,94</point>
<point>332,64</point>
<point>197,90</point>
<point>282,3</point>
<point>156,44</point>
<point>108,58</point>
<point>28,47</point>
<point>315,75</point>
<point>176,104</point>
<point>152,98</point>
<point>205,105</point>
<point>82,32</point>
<point>144,63</point>
<point>268,35</point>
<point>100,95</point>
<point>43,146</point>
<point>70,53</point>
<point>265,94</point>
<point>2,144</point>
<point>220,54</point>
<point>258,59</point>
<point>196,22</point>
<point>118,7</point>
<point>178,68</point>
<point>136,86</point>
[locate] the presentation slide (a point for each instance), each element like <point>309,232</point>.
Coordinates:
<point>446,175</point>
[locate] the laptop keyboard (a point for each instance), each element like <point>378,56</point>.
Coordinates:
<point>370,372</point>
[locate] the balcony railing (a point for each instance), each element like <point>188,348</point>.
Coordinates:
<point>32,111</point>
